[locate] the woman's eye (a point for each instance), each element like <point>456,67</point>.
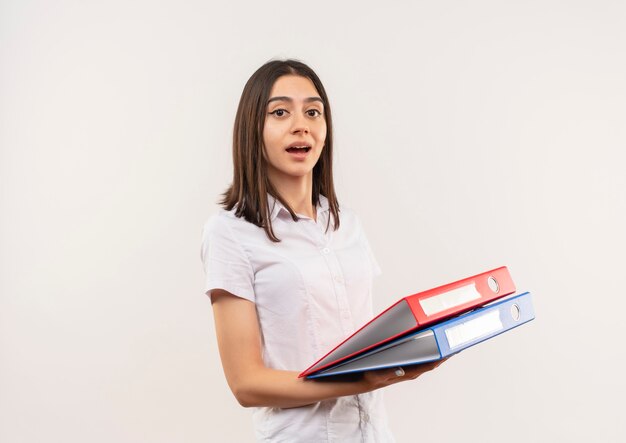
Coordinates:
<point>279,112</point>
<point>313,112</point>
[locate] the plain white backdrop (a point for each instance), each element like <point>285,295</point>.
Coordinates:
<point>469,135</point>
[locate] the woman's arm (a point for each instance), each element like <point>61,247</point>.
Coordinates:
<point>253,384</point>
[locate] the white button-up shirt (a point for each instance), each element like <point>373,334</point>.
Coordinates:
<point>311,291</point>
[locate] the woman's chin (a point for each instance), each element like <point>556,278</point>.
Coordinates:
<point>294,174</point>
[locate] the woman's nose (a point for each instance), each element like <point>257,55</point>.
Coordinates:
<point>300,125</point>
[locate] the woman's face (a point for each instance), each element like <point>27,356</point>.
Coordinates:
<point>295,128</point>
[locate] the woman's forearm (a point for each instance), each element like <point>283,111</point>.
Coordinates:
<point>283,389</point>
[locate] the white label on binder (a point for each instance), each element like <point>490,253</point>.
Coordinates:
<point>456,297</point>
<point>473,329</point>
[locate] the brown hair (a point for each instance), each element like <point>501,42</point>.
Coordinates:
<point>250,186</point>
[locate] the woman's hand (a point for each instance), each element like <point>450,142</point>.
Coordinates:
<point>385,377</point>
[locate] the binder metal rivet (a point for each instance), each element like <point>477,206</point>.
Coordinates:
<point>515,312</point>
<point>493,284</point>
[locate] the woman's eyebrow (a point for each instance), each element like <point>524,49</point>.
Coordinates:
<point>290,100</point>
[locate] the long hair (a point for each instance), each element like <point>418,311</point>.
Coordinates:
<point>250,186</point>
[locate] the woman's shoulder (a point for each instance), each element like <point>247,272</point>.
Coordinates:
<point>226,224</point>
<point>218,221</point>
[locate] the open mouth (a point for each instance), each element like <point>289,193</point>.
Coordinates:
<point>299,149</point>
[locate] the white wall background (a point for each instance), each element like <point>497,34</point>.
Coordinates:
<point>469,135</point>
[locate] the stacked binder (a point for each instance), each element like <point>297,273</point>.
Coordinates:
<point>431,325</point>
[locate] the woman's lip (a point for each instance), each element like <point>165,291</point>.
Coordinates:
<point>298,143</point>
<point>299,154</point>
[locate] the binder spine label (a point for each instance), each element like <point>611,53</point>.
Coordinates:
<point>456,297</point>
<point>473,329</point>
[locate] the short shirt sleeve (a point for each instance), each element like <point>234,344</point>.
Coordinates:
<point>226,265</point>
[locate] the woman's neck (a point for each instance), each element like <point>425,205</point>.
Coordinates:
<point>297,193</point>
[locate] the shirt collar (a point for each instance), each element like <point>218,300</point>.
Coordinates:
<point>277,207</point>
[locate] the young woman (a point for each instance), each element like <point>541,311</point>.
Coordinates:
<point>288,271</point>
